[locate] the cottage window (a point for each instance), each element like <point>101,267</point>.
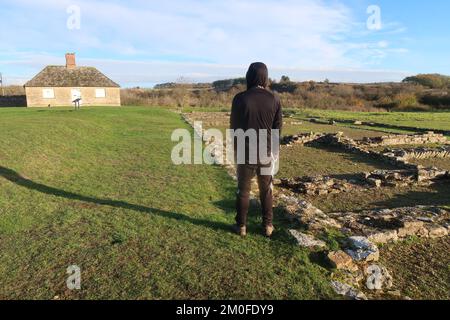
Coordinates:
<point>48,93</point>
<point>100,93</point>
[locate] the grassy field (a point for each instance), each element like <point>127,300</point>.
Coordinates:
<point>298,161</point>
<point>420,268</point>
<point>426,120</point>
<point>96,188</point>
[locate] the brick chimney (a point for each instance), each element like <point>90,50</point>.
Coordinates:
<point>70,61</point>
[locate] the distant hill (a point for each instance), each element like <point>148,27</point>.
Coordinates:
<point>173,85</point>
<point>432,81</point>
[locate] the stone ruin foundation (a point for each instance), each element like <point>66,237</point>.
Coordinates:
<point>316,186</point>
<point>323,185</point>
<point>301,139</point>
<point>357,262</point>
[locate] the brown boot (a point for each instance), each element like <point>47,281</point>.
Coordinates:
<point>240,230</point>
<point>269,230</point>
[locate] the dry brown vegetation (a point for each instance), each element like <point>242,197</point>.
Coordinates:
<point>411,95</point>
<point>13,91</point>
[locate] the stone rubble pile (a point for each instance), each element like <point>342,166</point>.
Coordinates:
<point>324,185</point>
<point>402,178</point>
<point>301,138</point>
<point>378,225</point>
<point>307,241</point>
<point>390,225</point>
<point>217,150</point>
<point>356,264</point>
<point>317,186</point>
<point>395,178</point>
<point>304,213</point>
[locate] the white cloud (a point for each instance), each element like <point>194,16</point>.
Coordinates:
<point>300,34</point>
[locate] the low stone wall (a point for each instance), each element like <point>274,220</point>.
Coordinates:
<point>397,178</point>
<point>378,225</point>
<point>323,185</point>
<point>216,151</point>
<point>301,139</point>
<point>414,139</point>
<point>317,186</point>
<point>418,153</point>
<point>395,158</point>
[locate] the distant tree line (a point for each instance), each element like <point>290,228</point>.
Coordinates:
<point>432,81</point>
<point>225,85</point>
<point>422,92</point>
<point>13,91</point>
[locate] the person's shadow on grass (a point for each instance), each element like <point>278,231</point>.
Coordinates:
<point>16,178</point>
<point>226,205</point>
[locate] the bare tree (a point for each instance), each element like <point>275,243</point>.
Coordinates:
<point>181,92</point>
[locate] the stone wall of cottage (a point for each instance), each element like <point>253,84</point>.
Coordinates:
<point>63,97</point>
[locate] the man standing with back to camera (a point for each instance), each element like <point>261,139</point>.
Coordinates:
<point>256,109</point>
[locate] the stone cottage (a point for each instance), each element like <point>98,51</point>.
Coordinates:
<point>61,85</point>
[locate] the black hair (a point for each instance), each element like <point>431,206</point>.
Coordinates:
<point>257,75</point>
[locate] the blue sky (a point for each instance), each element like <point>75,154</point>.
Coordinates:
<point>141,43</point>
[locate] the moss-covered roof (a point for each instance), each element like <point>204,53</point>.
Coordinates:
<point>60,76</point>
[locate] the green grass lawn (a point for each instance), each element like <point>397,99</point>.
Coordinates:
<point>425,120</point>
<point>306,127</point>
<point>96,188</point>
<point>298,161</point>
